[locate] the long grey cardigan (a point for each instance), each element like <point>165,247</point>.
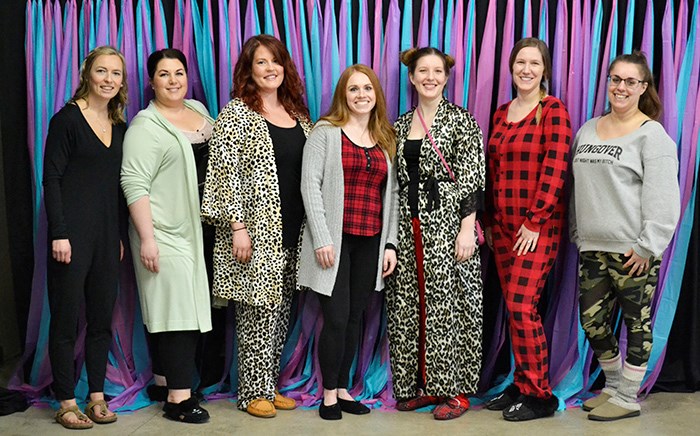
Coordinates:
<point>323,191</point>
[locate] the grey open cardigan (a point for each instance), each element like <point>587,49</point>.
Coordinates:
<point>323,191</point>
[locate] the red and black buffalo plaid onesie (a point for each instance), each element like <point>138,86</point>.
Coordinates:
<point>527,166</point>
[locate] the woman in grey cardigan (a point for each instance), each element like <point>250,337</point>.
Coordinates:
<point>350,195</point>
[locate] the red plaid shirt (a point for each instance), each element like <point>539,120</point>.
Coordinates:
<point>365,172</point>
<point>527,166</point>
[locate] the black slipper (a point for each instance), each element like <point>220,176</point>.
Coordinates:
<point>188,411</point>
<point>353,407</point>
<point>504,399</point>
<point>527,407</point>
<point>330,413</point>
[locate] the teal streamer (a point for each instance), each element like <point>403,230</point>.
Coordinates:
<point>595,49</point>
<point>629,28</point>
<point>684,76</point>
<point>269,25</point>
<point>311,99</point>
<point>543,32</point>
<point>449,17</point>
<point>437,21</point>
<point>469,53</point>
<point>406,43</point>
<point>204,42</point>
<point>316,70</point>
<point>527,12</point>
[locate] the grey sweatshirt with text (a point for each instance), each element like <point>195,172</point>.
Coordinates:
<point>625,193</point>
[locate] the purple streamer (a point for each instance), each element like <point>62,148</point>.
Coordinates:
<point>573,92</point>
<point>128,48</point>
<point>484,86</point>
<point>390,71</point>
<point>343,54</point>
<point>251,23</point>
<point>601,93</point>
<point>456,90</point>
<point>273,15</point>
<point>681,36</point>
<point>113,34</point>
<point>505,92</point>
<point>158,31</point>
<point>103,24</point>
<point>560,48</point>
<point>178,36</point>
<point>377,43</point>
<point>329,48</point>
<point>365,51</point>
<point>667,82</point>
<point>648,32</point>
<point>423,37</point>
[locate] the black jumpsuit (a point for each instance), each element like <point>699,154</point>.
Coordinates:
<point>82,197</point>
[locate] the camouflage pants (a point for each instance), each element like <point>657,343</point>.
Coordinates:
<point>603,281</point>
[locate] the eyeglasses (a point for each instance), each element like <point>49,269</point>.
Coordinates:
<point>630,82</point>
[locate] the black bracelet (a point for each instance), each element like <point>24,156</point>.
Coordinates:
<point>240,228</point>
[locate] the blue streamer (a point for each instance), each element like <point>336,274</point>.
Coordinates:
<point>629,28</point>
<point>205,54</point>
<point>349,34</point>
<point>316,75</point>
<point>269,26</point>
<point>449,17</point>
<point>527,11</point>
<point>543,32</point>
<point>469,47</point>
<point>312,101</point>
<point>595,49</point>
<point>435,40</point>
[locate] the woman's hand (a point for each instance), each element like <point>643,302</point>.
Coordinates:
<point>150,254</point>
<point>121,251</point>
<point>527,240</point>
<point>61,250</point>
<point>488,235</point>
<point>325,256</point>
<point>638,264</point>
<point>242,245</point>
<point>389,263</point>
<point>465,244</point>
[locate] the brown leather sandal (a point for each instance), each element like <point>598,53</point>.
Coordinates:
<point>83,421</point>
<point>99,418</point>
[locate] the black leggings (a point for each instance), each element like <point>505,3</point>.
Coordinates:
<point>172,356</point>
<point>342,311</point>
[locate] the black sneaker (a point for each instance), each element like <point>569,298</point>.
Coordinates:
<point>157,393</point>
<point>188,411</point>
<point>503,400</point>
<point>527,407</point>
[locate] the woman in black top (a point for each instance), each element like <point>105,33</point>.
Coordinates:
<point>82,160</point>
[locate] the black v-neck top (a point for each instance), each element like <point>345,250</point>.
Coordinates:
<point>81,178</point>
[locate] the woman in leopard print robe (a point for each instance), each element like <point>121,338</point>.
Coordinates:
<point>434,305</point>
<point>254,204</point>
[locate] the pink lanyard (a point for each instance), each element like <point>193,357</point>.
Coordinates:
<point>435,147</point>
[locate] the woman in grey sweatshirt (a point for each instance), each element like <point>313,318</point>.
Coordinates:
<point>624,210</point>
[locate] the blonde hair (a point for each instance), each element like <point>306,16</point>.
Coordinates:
<point>116,105</point>
<point>379,127</point>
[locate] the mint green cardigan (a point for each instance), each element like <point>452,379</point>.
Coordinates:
<point>158,162</point>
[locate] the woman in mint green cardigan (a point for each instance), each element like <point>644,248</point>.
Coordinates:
<point>159,179</point>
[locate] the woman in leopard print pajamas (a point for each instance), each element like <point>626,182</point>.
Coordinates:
<point>434,305</point>
<point>252,196</point>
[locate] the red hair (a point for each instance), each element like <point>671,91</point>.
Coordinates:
<point>291,91</point>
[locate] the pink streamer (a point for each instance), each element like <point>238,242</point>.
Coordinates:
<point>560,49</point>
<point>365,56</point>
<point>102,24</point>
<point>457,80</point>
<point>390,71</point>
<point>573,92</point>
<point>667,82</point>
<point>681,36</point>
<point>158,31</point>
<point>377,42</point>
<point>114,34</point>
<point>648,30</point>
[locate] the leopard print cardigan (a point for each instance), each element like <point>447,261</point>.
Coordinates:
<point>241,185</point>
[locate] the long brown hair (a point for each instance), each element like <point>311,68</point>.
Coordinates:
<point>546,60</point>
<point>116,105</point>
<point>291,91</point>
<point>649,101</point>
<point>379,127</point>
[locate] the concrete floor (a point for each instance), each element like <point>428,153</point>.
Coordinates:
<point>662,414</point>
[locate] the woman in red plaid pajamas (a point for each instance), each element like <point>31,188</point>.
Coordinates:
<point>528,154</point>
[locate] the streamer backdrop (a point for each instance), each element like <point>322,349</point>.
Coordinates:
<point>324,37</point>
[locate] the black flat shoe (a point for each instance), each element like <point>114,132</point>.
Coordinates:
<point>526,408</point>
<point>330,413</point>
<point>353,407</point>
<point>188,411</point>
<point>504,399</point>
